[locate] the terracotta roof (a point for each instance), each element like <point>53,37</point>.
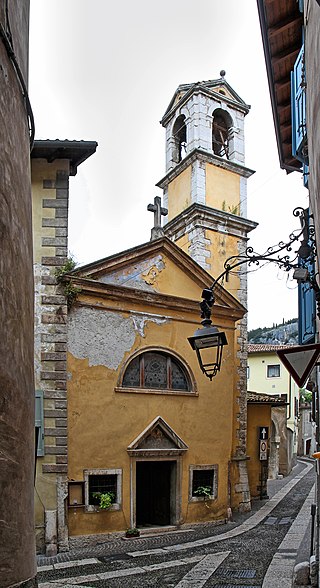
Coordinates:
<point>259,398</point>
<point>261,348</point>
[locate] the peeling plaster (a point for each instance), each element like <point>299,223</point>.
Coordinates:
<point>104,337</point>
<point>140,321</point>
<point>142,275</point>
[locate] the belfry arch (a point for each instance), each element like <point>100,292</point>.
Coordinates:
<point>221,133</point>
<point>179,133</point>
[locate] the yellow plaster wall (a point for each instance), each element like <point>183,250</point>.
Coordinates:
<point>221,247</point>
<point>258,416</point>
<point>179,193</point>
<point>40,170</point>
<point>222,189</point>
<point>171,280</point>
<point>103,422</point>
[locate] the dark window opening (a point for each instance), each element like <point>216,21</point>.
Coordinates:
<point>220,133</point>
<point>180,138</point>
<point>204,478</point>
<point>102,483</point>
<point>156,370</point>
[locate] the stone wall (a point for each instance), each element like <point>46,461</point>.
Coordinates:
<point>50,198</point>
<point>17,552</point>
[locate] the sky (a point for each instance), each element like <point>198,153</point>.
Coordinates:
<point>106,71</point>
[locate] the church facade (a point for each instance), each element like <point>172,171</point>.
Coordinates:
<point>144,425</point>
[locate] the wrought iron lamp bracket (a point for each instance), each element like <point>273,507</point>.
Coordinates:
<point>282,254</point>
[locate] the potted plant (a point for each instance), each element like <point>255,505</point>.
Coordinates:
<point>205,492</point>
<point>132,532</point>
<point>106,499</point>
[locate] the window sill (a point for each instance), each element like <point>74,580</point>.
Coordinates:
<point>201,499</point>
<point>95,509</point>
<point>156,391</point>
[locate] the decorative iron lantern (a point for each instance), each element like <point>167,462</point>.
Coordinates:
<point>208,343</point>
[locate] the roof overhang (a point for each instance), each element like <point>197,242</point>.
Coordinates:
<point>281,27</point>
<point>75,151</point>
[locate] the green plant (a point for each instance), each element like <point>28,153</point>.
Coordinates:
<point>305,395</point>
<point>132,532</point>
<point>70,291</point>
<point>69,265</point>
<point>203,491</point>
<point>106,499</point>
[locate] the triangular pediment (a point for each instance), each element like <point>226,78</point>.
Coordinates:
<point>219,86</point>
<point>157,439</point>
<point>158,267</point>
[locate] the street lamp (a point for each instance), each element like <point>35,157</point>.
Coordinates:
<point>208,342</point>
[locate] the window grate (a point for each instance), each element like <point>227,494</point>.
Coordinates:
<point>103,484</point>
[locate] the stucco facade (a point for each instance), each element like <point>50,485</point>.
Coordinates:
<point>141,301</point>
<point>268,375</point>
<point>50,198</point>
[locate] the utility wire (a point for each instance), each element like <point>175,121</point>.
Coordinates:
<point>7,41</point>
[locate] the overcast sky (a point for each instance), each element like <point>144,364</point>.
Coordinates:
<point>106,71</point>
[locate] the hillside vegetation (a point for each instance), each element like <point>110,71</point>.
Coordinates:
<point>283,334</point>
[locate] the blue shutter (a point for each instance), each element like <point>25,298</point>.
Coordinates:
<point>298,109</point>
<point>306,320</point>
<point>307,303</point>
<point>39,421</point>
<point>305,175</point>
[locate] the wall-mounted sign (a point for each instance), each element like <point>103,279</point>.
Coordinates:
<point>263,433</point>
<point>263,450</point>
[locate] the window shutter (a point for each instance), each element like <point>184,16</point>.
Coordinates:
<point>307,302</point>
<point>298,109</point>
<point>39,421</point>
<point>306,322</point>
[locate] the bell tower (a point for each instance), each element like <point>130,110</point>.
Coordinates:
<point>205,193</point>
<point>205,186</point>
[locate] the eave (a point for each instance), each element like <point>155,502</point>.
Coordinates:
<point>76,152</point>
<point>281,25</point>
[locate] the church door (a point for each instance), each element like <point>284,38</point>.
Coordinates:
<point>154,486</point>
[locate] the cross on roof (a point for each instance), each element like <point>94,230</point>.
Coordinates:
<point>157,231</point>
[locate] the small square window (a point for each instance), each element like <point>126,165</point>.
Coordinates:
<point>103,481</point>
<point>202,476</point>
<point>273,371</point>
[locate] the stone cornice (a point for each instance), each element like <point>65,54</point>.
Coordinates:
<point>209,218</point>
<point>123,295</point>
<point>205,157</point>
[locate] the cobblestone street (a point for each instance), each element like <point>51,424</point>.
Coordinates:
<point>259,549</point>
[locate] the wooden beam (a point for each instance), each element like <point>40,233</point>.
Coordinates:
<point>290,52</point>
<point>283,26</point>
<point>282,83</point>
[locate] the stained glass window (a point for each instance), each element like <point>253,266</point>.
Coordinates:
<point>156,370</point>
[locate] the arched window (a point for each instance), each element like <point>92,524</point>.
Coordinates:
<point>156,370</point>
<point>221,125</point>
<point>179,132</point>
